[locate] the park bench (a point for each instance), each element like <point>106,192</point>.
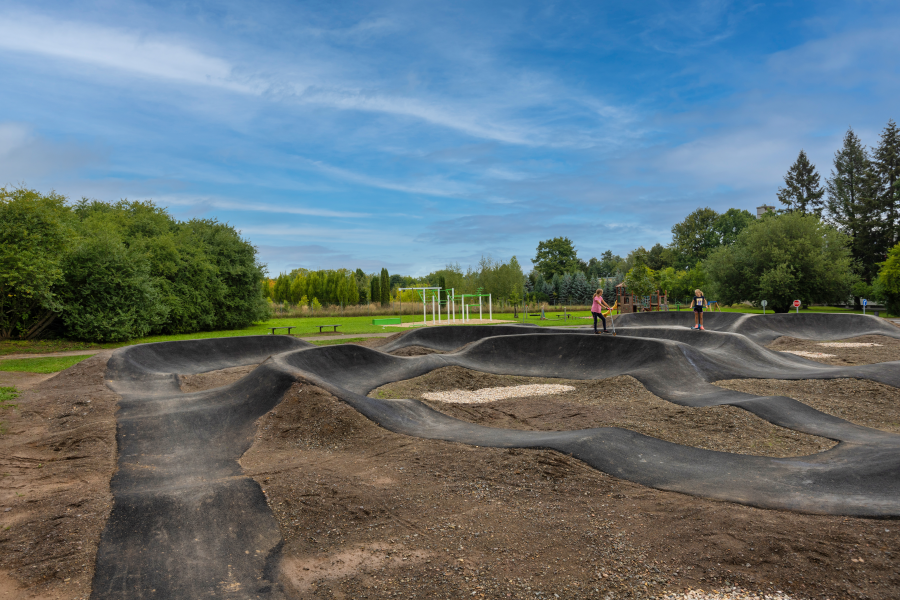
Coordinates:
<point>321,326</point>
<point>285,327</point>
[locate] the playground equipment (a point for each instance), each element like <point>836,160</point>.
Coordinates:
<point>448,297</point>
<point>632,303</point>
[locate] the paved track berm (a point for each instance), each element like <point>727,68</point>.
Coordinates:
<point>187,523</point>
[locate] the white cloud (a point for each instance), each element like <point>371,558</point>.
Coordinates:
<point>489,115</point>
<point>121,49</point>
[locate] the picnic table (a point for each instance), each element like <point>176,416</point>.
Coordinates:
<point>285,327</point>
<point>335,327</point>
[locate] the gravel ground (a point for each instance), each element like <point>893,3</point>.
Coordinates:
<point>497,393</point>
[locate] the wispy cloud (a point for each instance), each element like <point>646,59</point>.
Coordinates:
<point>436,186</point>
<point>121,49</point>
<point>249,206</point>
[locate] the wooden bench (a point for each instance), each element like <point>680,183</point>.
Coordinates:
<point>285,327</point>
<point>335,327</point>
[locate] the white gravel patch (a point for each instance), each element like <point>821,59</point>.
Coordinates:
<point>733,593</point>
<point>806,354</point>
<point>848,344</point>
<point>497,393</point>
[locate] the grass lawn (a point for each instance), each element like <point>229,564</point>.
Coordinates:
<point>51,364</point>
<point>307,327</point>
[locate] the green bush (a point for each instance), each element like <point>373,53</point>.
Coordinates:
<point>107,294</point>
<point>35,233</point>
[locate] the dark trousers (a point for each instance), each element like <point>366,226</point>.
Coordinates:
<point>602,318</point>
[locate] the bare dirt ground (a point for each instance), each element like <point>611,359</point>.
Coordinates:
<point>370,514</point>
<point>56,459</point>
<point>366,513</point>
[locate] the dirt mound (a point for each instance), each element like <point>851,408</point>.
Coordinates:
<point>620,401</point>
<point>415,351</point>
<point>198,382</point>
<point>887,350</point>
<point>309,417</point>
<point>57,457</point>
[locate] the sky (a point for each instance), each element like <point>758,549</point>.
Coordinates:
<point>412,135</point>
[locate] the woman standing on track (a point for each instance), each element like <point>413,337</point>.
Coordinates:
<point>697,304</point>
<point>597,310</point>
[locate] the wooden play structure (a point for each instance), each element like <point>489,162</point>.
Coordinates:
<point>631,303</point>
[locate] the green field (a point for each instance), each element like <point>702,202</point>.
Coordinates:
<point>51,364</point>
<point>307,327</point>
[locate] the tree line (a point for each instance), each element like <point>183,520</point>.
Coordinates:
<point>109,272</point>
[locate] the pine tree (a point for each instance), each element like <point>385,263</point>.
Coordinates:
<point>385,288</point>
<point>548,290</point>
<point>801,191</point>
<point>886,163</point>
<point>376,289</point>
<point>583,290</point>
<point>565,289</point>
<point>556,284</point>
<point>851,206</point>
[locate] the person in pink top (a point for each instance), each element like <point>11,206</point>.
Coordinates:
<point>597,310</point>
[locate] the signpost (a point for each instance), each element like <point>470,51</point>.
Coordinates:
<point>797,306</point>
<point>864,301</point>
<point>764,306</point>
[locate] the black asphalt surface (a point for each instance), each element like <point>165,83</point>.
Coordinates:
<point>188,524</point>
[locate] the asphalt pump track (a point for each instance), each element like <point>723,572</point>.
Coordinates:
<point>187,523</point>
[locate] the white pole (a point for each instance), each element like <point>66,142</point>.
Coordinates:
<point>490,309</point>
<point>432,308</point>
<point>439,304</point>
<point>424,314</point>
<point>480,317</point>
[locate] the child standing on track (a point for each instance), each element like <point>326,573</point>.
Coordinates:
<point>597,310</point>
<point>697,304</point>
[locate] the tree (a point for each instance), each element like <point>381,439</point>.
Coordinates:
<point>802,192</point>
<point>730,224</point>
<point>385,287</point>
<point>376,289</point>
<point>640,279</point>
<point>889,281</point>
<point>851,206</point>
<point>35,235</point>
<point>609,263</point>
<point>782,258</point>
<point>107,294</point>
<point>886,164</point>
<point>660,257</point>
<point>583,291</point>
<point>693,238</point>
<point>565,288</point>
<point>556,256</point>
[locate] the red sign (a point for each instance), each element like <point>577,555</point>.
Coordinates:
<point>796,303</point>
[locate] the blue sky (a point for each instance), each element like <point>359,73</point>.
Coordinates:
<point>413,134</point>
